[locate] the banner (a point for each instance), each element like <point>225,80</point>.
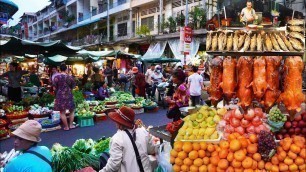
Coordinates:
<point>187,40</point>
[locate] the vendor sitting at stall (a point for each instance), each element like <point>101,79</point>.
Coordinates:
<point>102,92</point>
<point>247,14</point>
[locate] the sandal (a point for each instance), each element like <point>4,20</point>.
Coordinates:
<point>66,129</point>
<point>73,126</point>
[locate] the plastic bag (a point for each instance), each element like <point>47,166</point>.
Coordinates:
<point>163,158</point>
<point>275,126</point>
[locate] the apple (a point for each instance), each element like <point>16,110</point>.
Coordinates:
<point>283,131</point>
<point>302,124</point>
<point>279,137</point>
<point>303,131</point>
<point>294,124</point>
<point>286,135</point>
<point>291,130</point>
<point>288,125</point>
<point>298,118</point>
<point>297,130</point>
<point>304,117</point>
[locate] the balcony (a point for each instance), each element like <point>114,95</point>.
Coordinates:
<point>88,40</point>
<point>83,17</point>
<point>116,4</point>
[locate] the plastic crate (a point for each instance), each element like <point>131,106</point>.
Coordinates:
<point>86,122</point>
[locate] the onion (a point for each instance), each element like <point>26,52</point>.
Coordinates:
<point>245,123</point>
<point>250,115</point>
<point>227,116</point>
<point>238,114</point>
<point>256,121</point>
<point>251,129</point>
<point>229,129</point>
<point>258,112</point>
<point>239,130</point>
<point>234,122</point>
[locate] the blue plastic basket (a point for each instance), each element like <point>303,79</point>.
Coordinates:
<point>86,122</point>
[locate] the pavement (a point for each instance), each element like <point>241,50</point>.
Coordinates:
<point>105,128</point>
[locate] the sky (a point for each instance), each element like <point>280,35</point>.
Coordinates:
<point>27,6</point>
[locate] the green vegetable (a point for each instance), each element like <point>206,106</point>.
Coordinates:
<point>77,97</point>
<point>102,146</point>
<point>46,98</point>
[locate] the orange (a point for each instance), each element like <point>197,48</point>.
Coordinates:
<point>214,160</point>
<point>274,168</point>
<point>196,146</point>
<point>203,145</point>
<point>231,137</point>
<point>281,156</point>
<point>268,166</point>
<point>210,147</point>
<point>201,153</point>
<point>295,149</point>
<point>236,134</point>
<point>217,148</point>
<point>256,156</point>
<point>235,145</point>
<point>206,160</point>
<point>239,155</point>
<point>230,156</point>
<point>212,168</point>
<point>198,162</point>
<point>223,164</point>
<point>236,164</point>
<point>224,144</point>
<point>279,149</point>
<point>261,164</point>
<point>187,147</point>
<point>184,168</point>
<point>193,168</point>
<point>302,167</point>
<point>252,148</point>
<point>275,160</point>
<point>254,165</point>
<point>176,168</point>
<point>193,155</point>
<point>203,168</point>
<point>178,161</point>
<point>293,167</point>
<point>178,146</point>
<point>283,167</point>
<point>173,153</point>
<point>299,161</point>
<point>253,138</point>
<point>223,153</point>
<point>248,170</point>
<point>292,155</point>
<point>182,155</point>
<point>220,170</point>
<point>238,169</point>
<point>247,162</point>
<point>299,141</point>
<point>172,159</point>
<point>303,153</point>
<point>288,161</point>
<point>187,162</point>
<point>207,153</point>
<point>215,153</point>
<point>244,142</point>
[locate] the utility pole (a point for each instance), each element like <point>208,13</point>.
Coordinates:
<point>161,7</point>
<point>107,23</point>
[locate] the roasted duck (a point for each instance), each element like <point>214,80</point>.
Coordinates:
<point>259,78</point>
<point>287,42</point>
<point>229,78</point>
<point>241,40</point>
<point>208,40</point>
<point>297,35</point>
<point>293,96</point>
<point>221,40</point>
<point>272,78</point>
<point>245,78</point>
<point>229,43</point>
<point>281,42</point>
<point>214,90</point>
<point>268,43</point>
<point>214,44</point>
<point>296,22</point>
<point>296,28</point>
<point>297,45</point>
<point>274,43</point>
<point>259,43</point>
<point>253,42</point>
<point>247,43</point>
<point>235,41</point>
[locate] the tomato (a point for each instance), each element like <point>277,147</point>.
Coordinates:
<point>250,115</point>
<point>229,129</point>
<point>238,114</point>
<point>234,122</point>
<point>256,121</point>
<point>239,130</point>
<point>258,112</point>
<point>228,115</point>
<point>251,129</point>
<point>245,123</point>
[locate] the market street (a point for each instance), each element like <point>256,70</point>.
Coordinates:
<point>104,128</point>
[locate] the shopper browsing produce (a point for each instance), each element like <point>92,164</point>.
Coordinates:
<point>195,85</point>
<point>123,156</point>
<point>64,84</point>
<point>14,78</point>
<point>102,92</point>
<point>33,158</point>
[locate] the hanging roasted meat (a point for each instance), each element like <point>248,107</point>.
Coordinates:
<point>272,78</point>
<point>229,78</point>
<point>245,78</point>
<point>214,90</point>
<point>259,78</point>
<point>293,96</point>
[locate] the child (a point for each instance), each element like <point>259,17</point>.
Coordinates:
<point>102,92</point>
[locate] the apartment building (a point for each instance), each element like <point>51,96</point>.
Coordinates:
<point>86,22</point>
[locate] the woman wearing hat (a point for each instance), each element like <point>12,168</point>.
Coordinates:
<point>122,152</point>
<point>32,158</point>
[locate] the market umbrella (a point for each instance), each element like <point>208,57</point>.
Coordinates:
<point>159,60</point>
<point>58,59</point>
<point>9,7</point>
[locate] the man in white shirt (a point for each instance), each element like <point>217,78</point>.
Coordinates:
<point>156,78</point>
<point>148,76</point>
<point>195,85</point>
<point>248,13</point>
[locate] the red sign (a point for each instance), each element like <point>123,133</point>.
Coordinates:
<point>187,39</point>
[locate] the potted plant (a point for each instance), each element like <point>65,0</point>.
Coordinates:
<point>143,31</point>
<point>198,18</point>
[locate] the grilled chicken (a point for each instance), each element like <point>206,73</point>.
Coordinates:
<point>287,42</point>
<point>229,79</point>
<point>214,44</point>
<point>296,22</point>
<point>259,43</point>
<point>293,96</point>
<point>268,43</point>
<point>208,41</point>
<point>245,78</point>
<point>297,45</point>
<point>221,39</point>
<point>281,43</point>
<point>259,78</point>
<point>272,78</point>
<point>253,42</point>
<point>296,28</point>
<point>214,89</point>
<point>247,43</point>
<point>241,40</point>
<point>229,42</point>
<point>297,35</point>
<point>274,43</point>
<point>235,41</point>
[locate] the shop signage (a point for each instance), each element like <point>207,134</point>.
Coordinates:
<point>185,40</point>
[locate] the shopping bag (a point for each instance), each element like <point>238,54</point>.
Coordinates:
<point>163,158</point>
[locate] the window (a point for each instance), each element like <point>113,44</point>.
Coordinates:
<point>122,29</point>
<point>149,21</point>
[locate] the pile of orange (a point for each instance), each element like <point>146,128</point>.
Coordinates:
<point>236,154</point>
